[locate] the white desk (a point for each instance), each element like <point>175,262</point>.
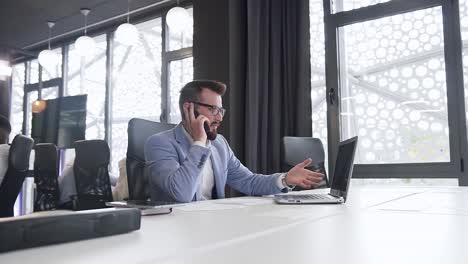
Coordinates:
<point>376,225</point>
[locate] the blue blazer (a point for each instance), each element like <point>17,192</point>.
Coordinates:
<point>174,165</point>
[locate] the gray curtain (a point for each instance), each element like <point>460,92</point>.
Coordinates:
<point>269,89</point>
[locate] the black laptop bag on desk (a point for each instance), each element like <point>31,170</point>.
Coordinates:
<point>55,227</point>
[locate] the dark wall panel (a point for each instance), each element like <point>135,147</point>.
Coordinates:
<point>211,46</point>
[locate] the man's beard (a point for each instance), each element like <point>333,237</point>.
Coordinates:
<point>211,135</point>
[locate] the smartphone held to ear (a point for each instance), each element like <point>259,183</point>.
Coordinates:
<point>205,124</point>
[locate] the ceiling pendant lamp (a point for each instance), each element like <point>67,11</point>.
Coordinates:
<point>85,45</point>
<point>47,58</point>
<point>5,70</point>
<point>178,19</point>
<point>39,105</point>
<point>127,34</point>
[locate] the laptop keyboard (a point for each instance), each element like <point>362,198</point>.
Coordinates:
<point>308,197</point>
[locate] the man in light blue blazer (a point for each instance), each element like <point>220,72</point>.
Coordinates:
<point>192,162</point>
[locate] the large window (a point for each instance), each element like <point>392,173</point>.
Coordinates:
<point>181,39</point>
<point>17,97</point>
<point>346,5</point>
<point>55,71</point>
<point>136,89</point>
<point>391,80</point>
<point>87,75</point>
<point>394,96</point>
<point>180,72</point>
<point>123,82</point>
<point>464,36</point>
<point>317,61</point>
<point>179,64</point>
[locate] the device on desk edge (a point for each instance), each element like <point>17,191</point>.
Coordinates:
<point>340,184</point>
<point>146,207</point>
<point>53,227</point>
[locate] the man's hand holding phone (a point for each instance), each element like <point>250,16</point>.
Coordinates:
<point>195,123</point>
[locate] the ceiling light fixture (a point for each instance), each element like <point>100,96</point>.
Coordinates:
<point>85,45</point>
<point>38,106</point>
<point>5,70</point>
<point>127,34</point>
<point>47,58</point>
<point>178,19</point>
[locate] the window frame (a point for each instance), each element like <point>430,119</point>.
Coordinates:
<point>454,82</point>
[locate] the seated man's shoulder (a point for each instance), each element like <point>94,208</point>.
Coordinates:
<point>220,138</point>
<point>162,137</point>
<point>220,141</point>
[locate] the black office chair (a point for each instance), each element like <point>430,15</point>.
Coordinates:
<point>91,170</point>
<point>297,149</point>
<point>139,130</point>
<point>46,170</point>
<point>18,165</point>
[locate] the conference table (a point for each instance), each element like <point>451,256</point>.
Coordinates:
<point>377,224</point>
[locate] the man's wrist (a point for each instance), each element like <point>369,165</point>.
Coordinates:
<point>285,183</point>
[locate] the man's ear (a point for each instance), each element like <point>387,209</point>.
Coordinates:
<point>184,106</point>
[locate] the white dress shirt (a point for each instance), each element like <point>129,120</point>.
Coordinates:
<point>206,179</point>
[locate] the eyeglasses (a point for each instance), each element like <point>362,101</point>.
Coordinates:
<point>214,110</point>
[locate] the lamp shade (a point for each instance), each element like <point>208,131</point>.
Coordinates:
<point>127,34</point>
<point>178,19</point>
<point>85,46</point>
<point>5,69</point>
<point>38,106</point>
<point>48,59</point>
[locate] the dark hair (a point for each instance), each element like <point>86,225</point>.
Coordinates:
<point>191,91</point>
<point>5,124</point>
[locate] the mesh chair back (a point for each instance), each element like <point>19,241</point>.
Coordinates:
<point>91,172</point>
<point>46,172</point>
<point>139,130</point>
<point>297,149</point>
<point>18,165</point>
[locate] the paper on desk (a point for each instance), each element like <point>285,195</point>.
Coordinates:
<point>208,206</point>
<point>244,201</point>
<point>225,204</point>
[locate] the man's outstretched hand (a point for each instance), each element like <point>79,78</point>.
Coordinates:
<point>300,176</point>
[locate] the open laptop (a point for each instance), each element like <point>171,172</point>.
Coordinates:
<point>340,184</point>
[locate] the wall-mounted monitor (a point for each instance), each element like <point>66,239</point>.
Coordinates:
<point>62,122</point>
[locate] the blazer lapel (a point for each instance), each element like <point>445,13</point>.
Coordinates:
<point>181,137</point>
<point>184,142</point>
<point>218,173</point>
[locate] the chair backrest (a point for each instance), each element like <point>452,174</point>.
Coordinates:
<point>46,170</point>
<point>18,165</point>
<point>91,170</point>
<point>297,149</point>
<point>139,130</point>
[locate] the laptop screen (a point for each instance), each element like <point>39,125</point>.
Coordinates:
<point>343,167</point>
